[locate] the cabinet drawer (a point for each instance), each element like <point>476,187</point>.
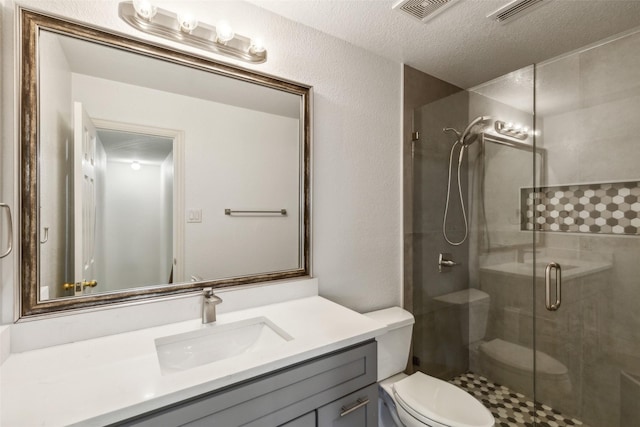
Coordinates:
<point>275,398</point>
<point>359,409</point>
<point>308,420</point>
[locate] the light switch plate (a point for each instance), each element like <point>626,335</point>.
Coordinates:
<point>194,215</point>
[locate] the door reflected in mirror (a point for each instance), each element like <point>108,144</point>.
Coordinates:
<point>140,152</point>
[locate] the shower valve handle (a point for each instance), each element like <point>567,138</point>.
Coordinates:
<point>445,260</point>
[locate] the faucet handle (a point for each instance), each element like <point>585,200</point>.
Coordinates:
<point>211,297</point>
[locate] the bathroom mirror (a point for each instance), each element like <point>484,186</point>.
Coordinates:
<point>147,172</point>
<point>502,218</point>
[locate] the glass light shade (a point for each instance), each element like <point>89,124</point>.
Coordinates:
<point>135,165</point>
<point>224,32</point>
<point>187,22</point>
<point>257,45</point>
<point>145,9</point>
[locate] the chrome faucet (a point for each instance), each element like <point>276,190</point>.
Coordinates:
<point>209,302</point>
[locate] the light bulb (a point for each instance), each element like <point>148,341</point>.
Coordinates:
<point>187,22</point>
<point>257,45</point>
<point>145,9</point>
<point>224,32</point>
<point>509,126</point>
<point>135,165</point>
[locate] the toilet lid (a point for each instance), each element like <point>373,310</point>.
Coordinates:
<point>430,399</point>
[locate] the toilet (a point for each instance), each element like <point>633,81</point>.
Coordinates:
<point>417,400</point>
<point>511,365</point>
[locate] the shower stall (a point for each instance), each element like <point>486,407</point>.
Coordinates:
<point>525,239</point>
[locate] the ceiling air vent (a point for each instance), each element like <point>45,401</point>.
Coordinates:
<point>515,9</point>
<point>423,10</point>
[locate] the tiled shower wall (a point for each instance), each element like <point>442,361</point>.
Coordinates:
<point>588,105</point>
<point>437,342</point>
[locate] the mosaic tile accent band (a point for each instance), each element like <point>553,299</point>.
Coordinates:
<point>511,409</point>
<point>609,208</point>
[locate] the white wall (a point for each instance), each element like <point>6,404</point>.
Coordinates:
<point>8,181</point>
<point>6,170</point>
<point>55,131</point>
<point>356,135</point>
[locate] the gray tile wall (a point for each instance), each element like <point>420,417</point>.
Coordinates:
<point>588,109</point>
<point>437,340</point>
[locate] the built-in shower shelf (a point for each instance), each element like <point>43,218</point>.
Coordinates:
<point>571,268</point>
<point>607,208</point>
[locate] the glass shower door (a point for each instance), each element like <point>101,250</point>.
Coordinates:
<point>474,318</point>
<point>502,172</point>
<point>587,208</point>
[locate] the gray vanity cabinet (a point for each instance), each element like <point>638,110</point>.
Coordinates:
<point>309,394</point>
<point>359,409</point>
<point>307,420</point>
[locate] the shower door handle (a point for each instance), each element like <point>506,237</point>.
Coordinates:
<point>547,284</point>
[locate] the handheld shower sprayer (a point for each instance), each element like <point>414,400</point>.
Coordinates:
<point>473,130</point>
<point>465,138</point>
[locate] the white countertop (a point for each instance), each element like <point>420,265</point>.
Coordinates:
<point>108,379</point>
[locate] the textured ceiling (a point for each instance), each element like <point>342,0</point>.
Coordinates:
<point>460,45</point>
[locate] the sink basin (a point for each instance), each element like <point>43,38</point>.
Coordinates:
<point>216,342</point>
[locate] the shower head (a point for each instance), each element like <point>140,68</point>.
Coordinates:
<point>472,131</point>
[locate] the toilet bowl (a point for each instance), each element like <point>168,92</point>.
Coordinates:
<point>506,362</point>
<point>417,400</point>
<point>511,365</point>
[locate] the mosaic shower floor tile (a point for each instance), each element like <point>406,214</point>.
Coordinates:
<point>511,409</point>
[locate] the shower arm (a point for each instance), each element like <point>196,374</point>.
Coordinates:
<point>458,134</point>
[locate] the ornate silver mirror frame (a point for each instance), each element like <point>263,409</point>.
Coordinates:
<point>31,24</point>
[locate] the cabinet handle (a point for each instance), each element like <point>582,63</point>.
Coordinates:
<point>346,410</point>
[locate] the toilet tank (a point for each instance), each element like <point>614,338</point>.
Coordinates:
<point>394,345</point>
<point>477,304</point>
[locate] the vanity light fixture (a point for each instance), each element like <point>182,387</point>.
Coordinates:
<point>514,130</point>
<point>185,28</point>
<point>145,9</point>
<point>257,45</point>
<point>187,22</point>
<point>224,33</point>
